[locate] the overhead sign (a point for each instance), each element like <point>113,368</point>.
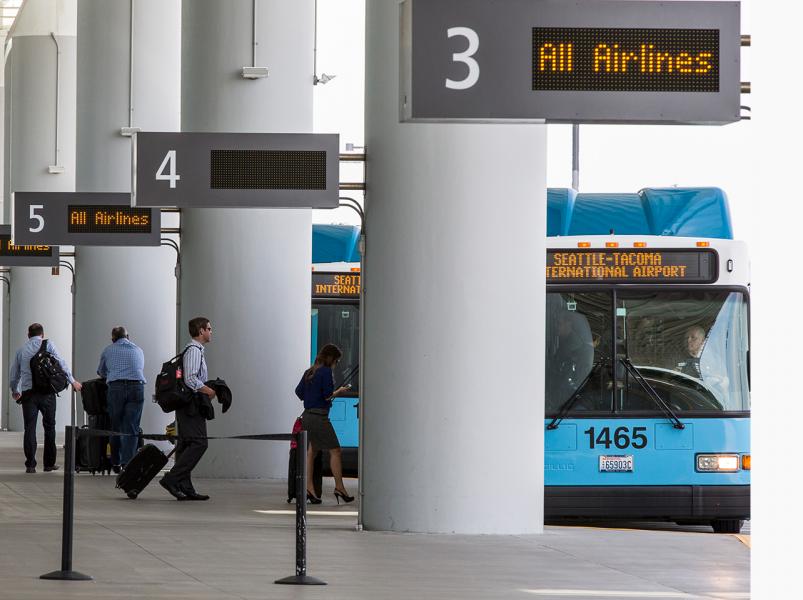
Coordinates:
<point>335,285</point>
<point>84,219</point>
<point>631,266</point>
<point>235,170</point>
<point>12,255</point>
<point>584,61</point>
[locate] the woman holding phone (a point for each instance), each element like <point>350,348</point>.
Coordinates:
<point>317,389</point>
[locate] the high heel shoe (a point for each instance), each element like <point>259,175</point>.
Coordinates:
<point>344,496</point>
<point>312,499</point>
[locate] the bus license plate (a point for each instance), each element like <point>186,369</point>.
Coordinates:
<point>616,464</point>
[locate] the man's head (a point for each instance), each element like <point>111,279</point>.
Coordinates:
<point>118,333</point>
<point>695,340</point>
<point>35,329</point>
<point>201,329</point>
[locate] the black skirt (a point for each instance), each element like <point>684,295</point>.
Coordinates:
<point>320,432</point>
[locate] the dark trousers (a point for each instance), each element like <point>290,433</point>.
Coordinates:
<point>125,400</point>
<point>190,424</point>
<point>32,404</point>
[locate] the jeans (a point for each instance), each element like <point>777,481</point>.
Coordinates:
<point>125,400</point>
<point>32,404</point>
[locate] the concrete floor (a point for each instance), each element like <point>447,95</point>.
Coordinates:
<point>155,547</point>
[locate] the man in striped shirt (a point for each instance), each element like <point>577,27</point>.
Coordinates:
<point>191,424</point>
<point>122,363</point>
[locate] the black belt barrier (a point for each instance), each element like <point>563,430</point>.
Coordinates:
<point>66,572</point>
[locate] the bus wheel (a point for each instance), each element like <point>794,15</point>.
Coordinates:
<point>727,525</point>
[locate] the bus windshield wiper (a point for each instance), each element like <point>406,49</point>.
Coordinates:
<point>567,406</point>
<point>650,391</point>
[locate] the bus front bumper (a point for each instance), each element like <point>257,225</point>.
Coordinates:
<point>671,502</point>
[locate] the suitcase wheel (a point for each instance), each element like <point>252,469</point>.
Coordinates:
<point>132,494</point>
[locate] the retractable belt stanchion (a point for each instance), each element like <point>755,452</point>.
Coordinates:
<point>301,577</point>
<point>66,572</point>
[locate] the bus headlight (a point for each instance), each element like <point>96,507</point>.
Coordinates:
<point>718,463</point>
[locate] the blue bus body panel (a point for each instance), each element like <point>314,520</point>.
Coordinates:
<point>680,212</point>
<point>343,416</point>
<point>667,459</point>
<point>335,243</point>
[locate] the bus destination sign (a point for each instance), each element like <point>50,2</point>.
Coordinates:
<point>631,266</point>
<point>84,219</point>
<point>12,255</point>
<point>335,285</point>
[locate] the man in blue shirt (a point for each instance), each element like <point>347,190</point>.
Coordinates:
<point>122,364</point>
<point>21,384</point>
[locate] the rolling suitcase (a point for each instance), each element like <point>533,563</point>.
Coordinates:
<point>317,469</point>
<point>138,473</point>
<point>92,453</point>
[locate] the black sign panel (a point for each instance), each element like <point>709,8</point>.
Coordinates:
<point>335,285</point>
<point>579,61</point>
<point>235,170</point>
<point>625,60</point>
<point>84,219</point>
<point>12,255</point>
<point>631,266</point>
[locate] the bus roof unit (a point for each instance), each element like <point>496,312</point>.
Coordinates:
<point>678,212</point>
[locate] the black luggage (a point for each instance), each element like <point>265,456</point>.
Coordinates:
<point>92,454</point>
<point>93,396</point>
<point>141,470</point>
<point>317,469</point>
<point>317,475</point>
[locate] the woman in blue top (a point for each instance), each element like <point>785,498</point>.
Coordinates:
<point>317,389</point>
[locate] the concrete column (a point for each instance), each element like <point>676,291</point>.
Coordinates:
<point>454,295</point>
<point>4,395</point>
<point>134,287</point>
<point>248,270</point>
<point>34,104</point>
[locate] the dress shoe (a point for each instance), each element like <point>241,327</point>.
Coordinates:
<point>312,498</point>
<point>173,490</point>
<point>53,468</point>
<point>193,495</point>
<point>30,469</point>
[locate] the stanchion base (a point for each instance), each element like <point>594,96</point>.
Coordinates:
<point>66,576</point>
<point>301,580</point>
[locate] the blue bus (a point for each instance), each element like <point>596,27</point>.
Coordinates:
<point>336,286</point>
<point>647,389</point>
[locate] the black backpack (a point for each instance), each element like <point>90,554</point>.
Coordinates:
<point>93,396</point>
<point>47,375</point>
<point>171,392</point>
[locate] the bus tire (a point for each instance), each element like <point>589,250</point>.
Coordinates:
<point>727,525</point>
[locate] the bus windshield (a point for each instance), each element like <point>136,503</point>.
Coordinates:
<point>339,324</point>
<point>691,346</point>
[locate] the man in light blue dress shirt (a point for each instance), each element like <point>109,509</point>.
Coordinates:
<point>122,363</point>
<point>20,381</point>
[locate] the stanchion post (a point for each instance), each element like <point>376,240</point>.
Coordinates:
<point>301,577</point>
<point>66,573</point>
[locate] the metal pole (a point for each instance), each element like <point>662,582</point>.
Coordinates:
<point>301,577</point>
<point>576,157</point>
<point>66,573</point>
<point>361,408</point>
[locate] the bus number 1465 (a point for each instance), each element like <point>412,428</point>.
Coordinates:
<point>621,437</point>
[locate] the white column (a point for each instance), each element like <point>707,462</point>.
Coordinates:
<point>4,393</point>
<point>248,270</point>
<point>33,144</point>
<point>454,295</point>
<point>134,287</point>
